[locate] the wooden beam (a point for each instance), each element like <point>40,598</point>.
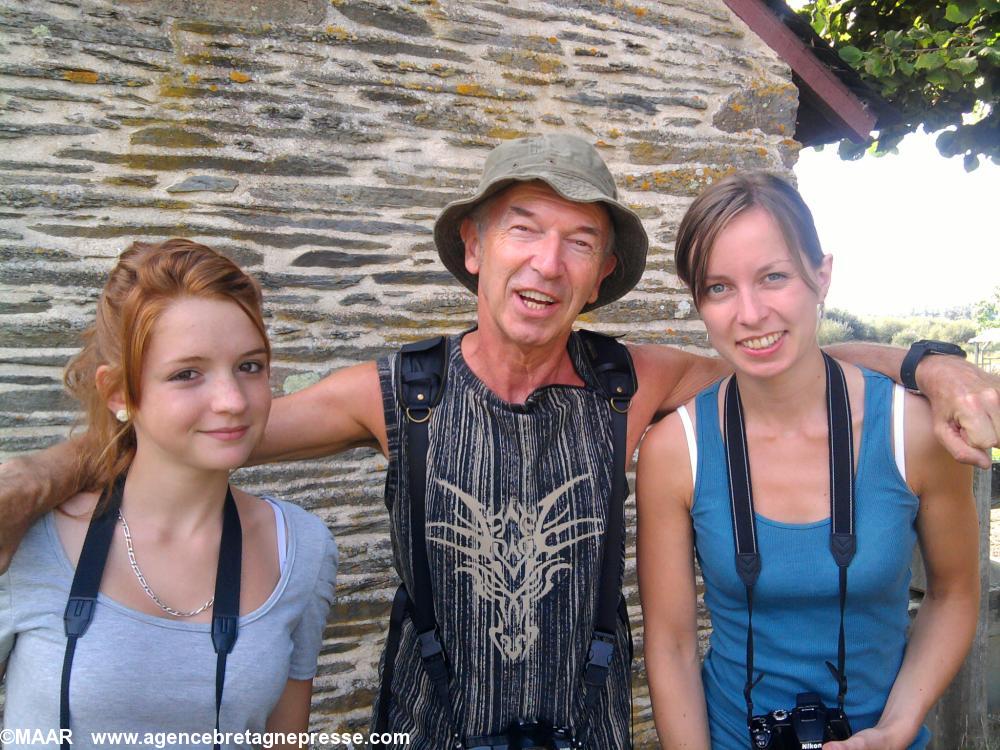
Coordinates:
<point>838,102</point>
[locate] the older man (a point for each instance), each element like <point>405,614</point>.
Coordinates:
<point>502,495</point>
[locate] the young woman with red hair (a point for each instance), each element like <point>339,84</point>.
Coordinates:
<point>208,604</point>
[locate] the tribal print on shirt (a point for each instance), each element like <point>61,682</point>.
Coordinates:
<point>513,556</point>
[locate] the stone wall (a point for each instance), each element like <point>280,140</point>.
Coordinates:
<point>314,141</point>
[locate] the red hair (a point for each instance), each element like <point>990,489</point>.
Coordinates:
<point>146,280</point>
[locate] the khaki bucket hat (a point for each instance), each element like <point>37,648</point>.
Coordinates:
<point>573,168</point>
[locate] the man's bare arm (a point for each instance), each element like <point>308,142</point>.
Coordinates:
<point>965,400</point>
<point>30,486</point>
<point>342,411</point>
<point>669,377</point>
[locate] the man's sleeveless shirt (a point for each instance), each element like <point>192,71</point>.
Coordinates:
<point>516,504</point>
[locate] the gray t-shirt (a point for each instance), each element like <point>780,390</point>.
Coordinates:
<point>136,673</point>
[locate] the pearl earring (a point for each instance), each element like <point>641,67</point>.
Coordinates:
<point>121,415</point>
<point>820,309</point>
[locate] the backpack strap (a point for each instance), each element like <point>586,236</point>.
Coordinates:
<point>423,369</point>
<point>612,365</point>
<point>400,608</point>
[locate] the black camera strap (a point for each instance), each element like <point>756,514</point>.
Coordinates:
<point>843,542</point>
<point>87,582</point>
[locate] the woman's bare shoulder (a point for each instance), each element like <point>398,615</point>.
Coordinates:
<point>665,439</point>
<point>252,509</point>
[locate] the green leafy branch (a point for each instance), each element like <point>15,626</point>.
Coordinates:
<point>937,64</point>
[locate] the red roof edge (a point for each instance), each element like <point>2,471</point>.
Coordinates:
<point>839,104</point>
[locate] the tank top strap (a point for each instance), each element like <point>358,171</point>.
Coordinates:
<point>707,414</point>
<point>877,456</point>
<point>711,450</point>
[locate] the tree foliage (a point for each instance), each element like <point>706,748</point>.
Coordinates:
<point>936,63</point>
<point>987,311</point>
<point>839,325</point>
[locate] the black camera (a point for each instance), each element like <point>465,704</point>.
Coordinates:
<point>525,735</point>
<point>805,727</point>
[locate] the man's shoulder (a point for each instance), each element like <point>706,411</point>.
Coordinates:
<point>387,366</point>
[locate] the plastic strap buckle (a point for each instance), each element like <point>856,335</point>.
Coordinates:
<point>430,645</point>
<point>563,739</point>
<point>602,650</point>
<point>79,612</point>
<point>432,654</point>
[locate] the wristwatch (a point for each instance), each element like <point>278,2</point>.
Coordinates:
<point>918,350</point>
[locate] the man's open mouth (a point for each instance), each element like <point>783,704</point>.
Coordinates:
<point>536,300</point>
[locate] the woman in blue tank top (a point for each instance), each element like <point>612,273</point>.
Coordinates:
<point>748,250</point>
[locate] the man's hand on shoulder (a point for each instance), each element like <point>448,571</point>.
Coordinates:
<point>15,509</point>
<point>965,402</point>
<point>31,485</point>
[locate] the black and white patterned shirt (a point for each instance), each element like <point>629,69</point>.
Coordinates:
<point>516,505</point>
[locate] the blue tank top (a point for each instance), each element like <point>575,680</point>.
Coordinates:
<point>796,599</point>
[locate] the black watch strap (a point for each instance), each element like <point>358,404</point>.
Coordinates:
<point>919,350</point>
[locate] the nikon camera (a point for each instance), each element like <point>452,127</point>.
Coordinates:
<point>805,727</point>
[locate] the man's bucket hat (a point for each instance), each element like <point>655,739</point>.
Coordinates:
<point>573,168</point>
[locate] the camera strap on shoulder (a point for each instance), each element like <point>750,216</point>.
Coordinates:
<point>87,582</point>
<point>843,541</point>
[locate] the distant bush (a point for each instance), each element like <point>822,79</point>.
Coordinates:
<point>855,327</point>
<point>955,331</point>
<point>886,328</point>
<point>833,332</point>
<point>840,325</point>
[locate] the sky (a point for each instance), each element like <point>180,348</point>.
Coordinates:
<point>908,232</point>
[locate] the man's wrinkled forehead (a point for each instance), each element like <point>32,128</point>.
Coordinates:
<point>596,229</point>
<point>527,199</point>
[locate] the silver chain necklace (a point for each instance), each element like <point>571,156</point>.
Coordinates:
<point>145,586</point>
